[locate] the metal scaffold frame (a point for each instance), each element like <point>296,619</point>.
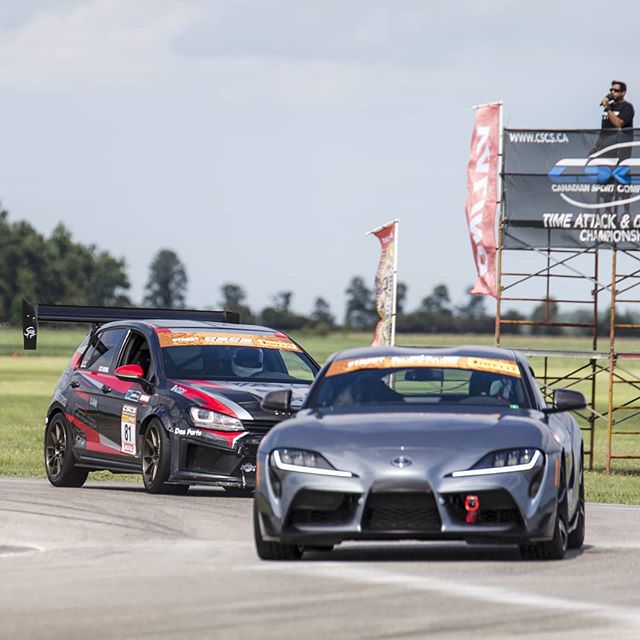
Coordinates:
<point>588,368</point>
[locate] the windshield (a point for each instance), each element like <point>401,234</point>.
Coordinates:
<point>238,357</point>
<point>431,380</point>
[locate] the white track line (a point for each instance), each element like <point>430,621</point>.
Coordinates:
<point>496,595</point>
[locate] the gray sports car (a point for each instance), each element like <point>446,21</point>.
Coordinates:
<point>416,443</point>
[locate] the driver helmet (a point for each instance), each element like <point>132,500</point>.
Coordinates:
<point>247,361</point>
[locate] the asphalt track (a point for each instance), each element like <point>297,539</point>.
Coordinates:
<point>110,561</point>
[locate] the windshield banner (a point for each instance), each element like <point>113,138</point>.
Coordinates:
<point>572,188</point>
<point>189,338</point>
<point>492,365</point>
<point>482,175</point>
<point>384,334</point>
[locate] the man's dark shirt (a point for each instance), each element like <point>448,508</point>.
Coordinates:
<point>610,134</point>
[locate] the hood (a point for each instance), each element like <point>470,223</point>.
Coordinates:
<point>455,440</point>
<point>240,399</point>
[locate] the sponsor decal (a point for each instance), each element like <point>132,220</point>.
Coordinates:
<point>30,333</point>
<point>93,402</point>
<point>128,429</point>
<point>178,389</point>
<point>613,178</point>
<point>492,365</point>
<point>187,432</point>
<point>103,369</point>
<point>132,395</point>
<point>187,338</point>
<point>59,398</point>
<point>538,137</point>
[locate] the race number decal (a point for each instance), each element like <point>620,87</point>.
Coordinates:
<point>128,429</point>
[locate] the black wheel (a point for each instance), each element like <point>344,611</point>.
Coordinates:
<point>556,548</point>
<point>156,460</point>
<point>239,492</point>
<point>58,456</point>
<point>576,537</point>
<point>273,550</point>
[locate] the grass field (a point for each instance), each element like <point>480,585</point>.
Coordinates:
<point>27,380</point>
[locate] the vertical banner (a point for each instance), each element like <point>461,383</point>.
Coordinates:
<point>482,191</point>
<point>385,331</point>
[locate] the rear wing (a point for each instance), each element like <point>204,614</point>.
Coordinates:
<point>32,314</point>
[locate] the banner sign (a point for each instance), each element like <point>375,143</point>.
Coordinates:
<point>481,204</point>
<point>571,188</point>
<point>386,284</point>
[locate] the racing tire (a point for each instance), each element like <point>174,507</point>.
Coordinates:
<point>156,460</point>
<point>556,548</point>
<point>273,550</point>
<point>238,492</point>
<point>58,455</point>
<point>576,537</point>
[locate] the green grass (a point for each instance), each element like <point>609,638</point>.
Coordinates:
<point>27,380</point>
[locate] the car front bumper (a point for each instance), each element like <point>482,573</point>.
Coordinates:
<point>321,510</point>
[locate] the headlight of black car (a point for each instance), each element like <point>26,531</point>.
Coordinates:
<point>208,419</point>
<point>303,461</point>
<point>504,461</point>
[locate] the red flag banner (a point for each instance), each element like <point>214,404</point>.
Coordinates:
<point>481,196</point>
<point>386,284</point>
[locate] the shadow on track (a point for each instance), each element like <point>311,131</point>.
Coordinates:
<point>429,552</point>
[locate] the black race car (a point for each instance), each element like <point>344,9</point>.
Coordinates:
<point>172,394</point>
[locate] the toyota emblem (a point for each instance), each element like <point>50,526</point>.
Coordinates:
<point>401,462</point>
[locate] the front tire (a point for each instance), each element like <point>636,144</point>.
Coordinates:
<point>576,537</point>
<point>273,550</point>
<point>156,459</point>
<point>556,548</point>
<point>58,455</point>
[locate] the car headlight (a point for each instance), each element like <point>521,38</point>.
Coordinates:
<point>303,461</point>
<point>213,420</point>
<point>504,461</point>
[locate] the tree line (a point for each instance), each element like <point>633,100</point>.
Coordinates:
<point>59,270</point>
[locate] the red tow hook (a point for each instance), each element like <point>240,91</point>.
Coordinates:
<point>471,505</point>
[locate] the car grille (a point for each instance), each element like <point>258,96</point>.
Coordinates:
<point>401,511</point>
<point>259,426</point>
<point>322,508</point>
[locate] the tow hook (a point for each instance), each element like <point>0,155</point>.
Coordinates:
<point>247,467</point>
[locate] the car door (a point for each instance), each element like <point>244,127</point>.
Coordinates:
<point>103,387</point>
<point>127,398</point>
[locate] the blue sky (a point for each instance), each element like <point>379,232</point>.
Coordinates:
<point>260,140</point>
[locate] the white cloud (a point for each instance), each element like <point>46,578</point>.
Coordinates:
<point>104,41</point>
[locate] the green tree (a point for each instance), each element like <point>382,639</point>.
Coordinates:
<point>546,312</point>
<point>361,312</point>
<point>233,299</point>
<point>167,283</point>
<point>279,314</point>
<point>54,270</point>
<point>321,320</point>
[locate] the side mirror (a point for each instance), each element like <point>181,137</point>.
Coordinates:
<point>566,400</point>
<point>277,401</point>
<point>129,372</point>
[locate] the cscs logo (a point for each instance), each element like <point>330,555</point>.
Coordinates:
<point>610,174</point>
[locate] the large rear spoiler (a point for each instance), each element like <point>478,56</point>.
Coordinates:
<point>32,314</point>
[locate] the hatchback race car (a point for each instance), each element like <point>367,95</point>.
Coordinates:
<point>409,443</point>
<point>174,395</point>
